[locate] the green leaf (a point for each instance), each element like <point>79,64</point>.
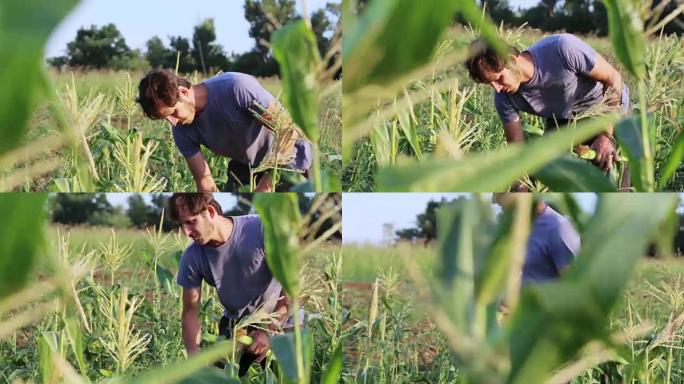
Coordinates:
<point>555,320</point>
<point>183,368</point>
<point>47,346</point>
<point>280,216</point>
<point>395,37</point>
<point>334,369</point>
<point>75,336</point>
<point>166,279</point>
<point>283,346</point>
<point>24,29</point>
<point>294,47</point>
<point>627,35</point>
<point>209,375</point>
<point>674,160</point>
<point>22,240</point>
<point>628,134</point>
<point>568,174</point>
<point>486,172</point>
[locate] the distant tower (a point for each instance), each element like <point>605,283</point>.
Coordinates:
<point>387,234</point>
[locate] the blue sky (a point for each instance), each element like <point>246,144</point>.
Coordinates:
<point>226,200</point>
<point>139,20</point>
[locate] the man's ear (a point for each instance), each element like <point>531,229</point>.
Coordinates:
<point>182,90</point>
<point>211,211</point>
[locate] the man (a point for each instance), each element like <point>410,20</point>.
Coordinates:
<point>552,245</point>
<point>228,254</point>
<point>557,78</point>
<point>219,114</point>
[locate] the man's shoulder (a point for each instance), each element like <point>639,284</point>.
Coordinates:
<point>250,222</point>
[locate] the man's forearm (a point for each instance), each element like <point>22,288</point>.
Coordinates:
<point>206,184</point>
<point>191,332</point>
<point>612,91</point>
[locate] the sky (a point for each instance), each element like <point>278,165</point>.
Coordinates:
<point>363,214</point>
<point>226,200</point>
<point>138,21</point>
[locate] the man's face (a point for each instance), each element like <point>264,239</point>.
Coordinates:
<point>505,200</point>
<point>505,81</point>
<point>198,227</point>
<point>181,113</point>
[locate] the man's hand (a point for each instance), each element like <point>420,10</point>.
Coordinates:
<point>260,344</point>
<point>264,184</point>
<point>606,152</point>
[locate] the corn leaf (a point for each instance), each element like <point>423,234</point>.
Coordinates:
<point>628,134</point>
<point>24,29</point>
<point>283,346</point>
<point>22,240</point>
<point>486,172</point>
<point>674,160</point>
<point>627,35</point>
<point>555,320</point>
<point>295,48</point>
<point>334,369</point>
<point>279,213</point>
<point>567,174</point>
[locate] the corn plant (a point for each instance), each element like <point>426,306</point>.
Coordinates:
<point>380,63</point>
<point>554,330</point>
<point>120,339</point>
<point>114,255</point>
<point>283,227</point>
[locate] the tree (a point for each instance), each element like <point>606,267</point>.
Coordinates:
<point>141,214</point>
<point>181,52</point>
<point>98,48</point>
<point>158,55</point>
<point>77,208</point>
<point>205,51</point>
<point>263,16</point>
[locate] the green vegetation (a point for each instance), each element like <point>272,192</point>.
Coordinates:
<point>432,314</point>
<point>414,121</point>
<point>102,305</point>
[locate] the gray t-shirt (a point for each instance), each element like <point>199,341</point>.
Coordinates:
<point>237,269</point>
<point>227,126</point>
<point>552,245</point>
<point>560,87</point>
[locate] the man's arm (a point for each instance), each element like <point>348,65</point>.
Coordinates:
<point>604,144</point>
<point>261,343</point>
<point>513,132</point>
<point>201,173</point>
<point>190,319</point>
<point>607,75</point>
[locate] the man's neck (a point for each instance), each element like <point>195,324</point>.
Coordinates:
<point>223,231</point>
<point>199,94</point>
<point>525,64</point>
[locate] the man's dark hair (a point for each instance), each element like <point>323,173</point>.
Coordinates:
<point>483,59</point>
<point>159,86</point>
<point>194,203</point>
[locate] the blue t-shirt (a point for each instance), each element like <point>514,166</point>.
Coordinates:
<point>237,269</point>
<point>228,127</point>
<point>560,87</point>
<point>552,245</point>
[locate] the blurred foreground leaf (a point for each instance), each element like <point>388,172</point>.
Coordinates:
<point>24,29</point>
<point>294,47</point>
<point>22,239</point>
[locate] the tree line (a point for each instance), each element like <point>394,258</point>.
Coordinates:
<point>104,47</point>
<point>94,209</point>
<point>575,16</point>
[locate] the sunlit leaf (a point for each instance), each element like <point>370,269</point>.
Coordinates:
<point>626,31</point>
<point>279,213</point>
<point>294,47</point>
<point>568,174</point>
<point>22,240</point>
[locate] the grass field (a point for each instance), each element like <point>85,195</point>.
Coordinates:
<point>412,349</point>
<point>115,148</point>
<point>148,334</point>
<point>442,114</point>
